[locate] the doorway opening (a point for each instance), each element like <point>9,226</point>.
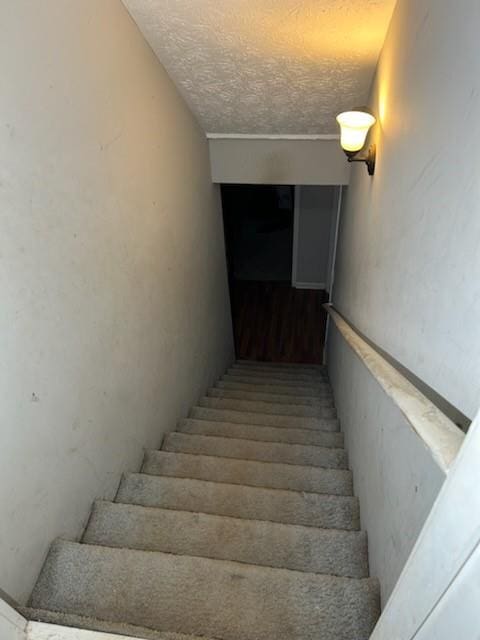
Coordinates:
<point>279,249</point>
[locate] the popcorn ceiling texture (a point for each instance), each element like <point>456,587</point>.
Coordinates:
<point>267,66</point>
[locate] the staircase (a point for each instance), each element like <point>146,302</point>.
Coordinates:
<point>242,527</point>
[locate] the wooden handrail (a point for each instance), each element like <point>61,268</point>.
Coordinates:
<point>440,435</point>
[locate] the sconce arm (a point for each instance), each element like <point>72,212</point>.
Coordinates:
<point>368,158</point>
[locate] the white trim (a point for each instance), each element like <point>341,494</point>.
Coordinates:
<point>12,624</point>
<point>272,136</point>
<point>333,246</point>
<point>45,631</point>
<point>440,435</point>
<point>309,285</point>
<point>456,613</point>
<point>296,222</point>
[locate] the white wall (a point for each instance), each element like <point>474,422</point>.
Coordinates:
<point>315,214</point>
<point>408,261</point>
<point>113,293</point>
<point>252,161</point>
<point>394,475</point>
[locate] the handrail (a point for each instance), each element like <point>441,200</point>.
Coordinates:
<point>440,435</point>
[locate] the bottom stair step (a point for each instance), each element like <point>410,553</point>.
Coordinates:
<point>254,503</point>
<point>284,546</point>
<point>199,596</point>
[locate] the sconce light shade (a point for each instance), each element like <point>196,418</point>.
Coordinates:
<point>354,127</point>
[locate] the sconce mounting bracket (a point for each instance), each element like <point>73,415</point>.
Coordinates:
<point>368,158</point>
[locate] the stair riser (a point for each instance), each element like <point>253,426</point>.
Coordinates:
<point>341,553</point>
<point>312,387</point>
<point>262,433</point>
<point>253,503</point>
<point>279,375</point>
<point>268,407</point>
<point>281,365</point>
<point>234,394</point>
<point>249,472</point>
<point>253,450</point>
<point>291,422</point>
<point>225,600</point>
<point>285,390</point>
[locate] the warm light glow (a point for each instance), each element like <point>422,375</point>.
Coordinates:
<point>354,126</point>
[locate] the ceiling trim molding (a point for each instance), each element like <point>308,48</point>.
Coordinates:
<point>272,136</point>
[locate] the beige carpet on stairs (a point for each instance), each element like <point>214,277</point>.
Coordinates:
<point>243,526</point>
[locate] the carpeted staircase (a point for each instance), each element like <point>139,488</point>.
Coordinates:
<point>242,527</point>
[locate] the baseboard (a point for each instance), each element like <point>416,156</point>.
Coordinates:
<point>309,285</point>
<point>46,631</point>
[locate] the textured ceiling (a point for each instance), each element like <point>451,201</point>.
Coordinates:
<point>267,66</point>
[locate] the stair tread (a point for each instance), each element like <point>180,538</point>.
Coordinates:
<point>248,377</point>
<point>253,473</point>
<point>224,599</point>
<point>272,420</point>
<point>240,501</point>
<point>244,449</point>
<point>262,433</point>
<point>324,391</point>
<point>299,372</point>
<point>282,365</point>
<point>308,401</point>
<point>268,407</point>
<point>281,375</point>
<point>310,549</point>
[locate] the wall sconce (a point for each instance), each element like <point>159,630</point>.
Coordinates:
<point>354,127</point>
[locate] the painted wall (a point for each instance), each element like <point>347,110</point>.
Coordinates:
<point>408,261</point>
<point>113,294</point>
<point>394,475</point>
<point>315,215</point>
<point>252,161</point>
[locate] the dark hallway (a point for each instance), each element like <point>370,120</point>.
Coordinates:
<point>273,321</point>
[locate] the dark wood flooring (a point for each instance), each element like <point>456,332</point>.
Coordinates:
<point>274,322</point>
